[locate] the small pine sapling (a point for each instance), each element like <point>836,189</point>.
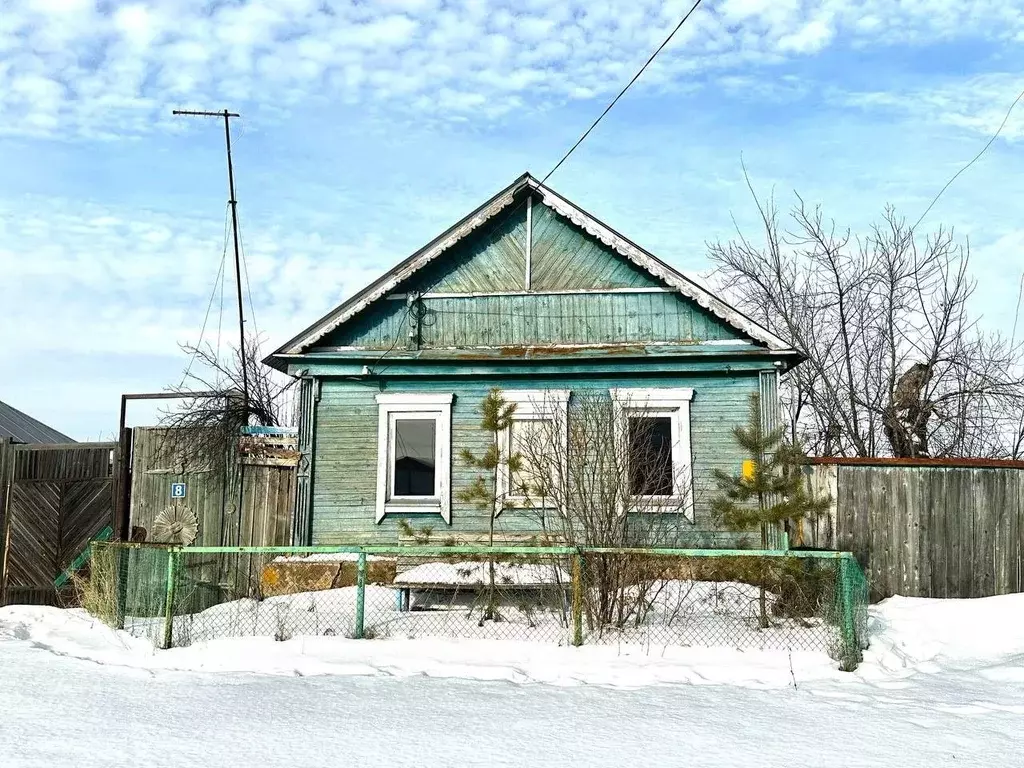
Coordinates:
<point>772,492</point>
<point>496,416</point>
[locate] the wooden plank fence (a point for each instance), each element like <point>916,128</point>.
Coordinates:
<point>263,482</point>
<point>925,529</point>
<point>56,498</point>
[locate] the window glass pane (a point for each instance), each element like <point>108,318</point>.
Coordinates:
<point>650,456</point>
<point>527,438</point>
<point>414,469</point>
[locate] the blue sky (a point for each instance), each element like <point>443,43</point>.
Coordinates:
<point>368,127</point>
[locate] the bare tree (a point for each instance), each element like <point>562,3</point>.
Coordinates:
<point>205,431</point>
<point>895,362</point>
<point>596,479</point>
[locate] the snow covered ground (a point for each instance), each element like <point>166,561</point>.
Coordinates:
<point>942,685</point>
<point>676,612</point>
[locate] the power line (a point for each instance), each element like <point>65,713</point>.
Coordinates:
<point>600,117</point>
<point>621,93</point>
<point>1016,312</point>
<point>248,286</point>
<point>955,176</point>
<point>213,294</point>
<point>972,161</point>
<point>220,316</point>
<point>572,149</point>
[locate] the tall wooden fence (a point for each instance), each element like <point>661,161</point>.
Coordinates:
<point>247,501</point>
<point>55,499</point>
<point>924,529</point>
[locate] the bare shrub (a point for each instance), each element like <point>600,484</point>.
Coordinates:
<point>589,477</point>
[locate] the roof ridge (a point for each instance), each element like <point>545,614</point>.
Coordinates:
<point>568,210</point>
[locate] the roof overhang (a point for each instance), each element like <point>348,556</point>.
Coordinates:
<point>519,189</point>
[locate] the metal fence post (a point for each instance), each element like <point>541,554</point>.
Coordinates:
<point>577,599</point>
<point>119,563</point>
<point>172,562</point>
<point>851,646</point>
<point>360,596</point>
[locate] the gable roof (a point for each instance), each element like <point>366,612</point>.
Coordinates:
<point>22,428</point>
<point>569,210</point>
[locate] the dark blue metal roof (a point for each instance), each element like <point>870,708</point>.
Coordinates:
<point>22,428</point>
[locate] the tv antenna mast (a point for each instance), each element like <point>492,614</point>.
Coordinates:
<point>227,116</point>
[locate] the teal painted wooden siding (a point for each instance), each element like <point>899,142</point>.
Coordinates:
<point>567,258</point>
<point>567,319</point>
<point>491,259</point>
<point>377,328</point>
<point>346,452</point>
<point>564,258</point>
<point>527,319</point>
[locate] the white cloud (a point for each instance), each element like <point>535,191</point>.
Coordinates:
<point>978,104</point>
<point>124,64</point>
<point>138,282</point>
<point>810,38</point>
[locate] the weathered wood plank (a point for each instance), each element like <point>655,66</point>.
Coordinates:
<point>965,544</point>
<point>1015,535</point>
<point>911,535</point>
<point>953,540</point>
<point>941,532</point>
<point>932,531</point>
<point>896,490</point>
<point>922,499</point>
<point>987,494</point>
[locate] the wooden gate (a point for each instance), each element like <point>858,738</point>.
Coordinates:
<point>58,497</point>
<point>263,480</point>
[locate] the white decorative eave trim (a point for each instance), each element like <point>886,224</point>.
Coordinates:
<point>592,226</point>
<point>390,280</point>
<point>660,269</point>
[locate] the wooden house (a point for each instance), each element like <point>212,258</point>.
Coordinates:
<point>530,294</point>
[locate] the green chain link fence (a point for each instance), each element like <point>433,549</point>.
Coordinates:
<point>178,596</point>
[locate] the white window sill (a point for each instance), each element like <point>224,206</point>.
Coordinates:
<point>523,503</point>
<point>399,508</point>
<point>662,505</point>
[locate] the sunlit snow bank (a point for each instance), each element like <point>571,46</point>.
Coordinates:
<point>909,636</point>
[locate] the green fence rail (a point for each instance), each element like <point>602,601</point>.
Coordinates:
<point>81,559</point>
<point>764,599</point>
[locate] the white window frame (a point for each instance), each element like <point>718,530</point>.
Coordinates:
<point>393,406</point>
<point>531,405</point>
<point>654,402</point>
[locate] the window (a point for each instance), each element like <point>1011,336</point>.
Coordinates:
<point>414,460</point>
<point>650,454</point>
<point>414,454</point>
<point>654,429</point>
<point>540,416</point>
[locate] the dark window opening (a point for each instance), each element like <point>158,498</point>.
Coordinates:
<point>414,469</point>
<point>650,456</point>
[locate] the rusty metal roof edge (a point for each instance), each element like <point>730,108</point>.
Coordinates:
<point>547,353</point>
<point>965,462</point>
